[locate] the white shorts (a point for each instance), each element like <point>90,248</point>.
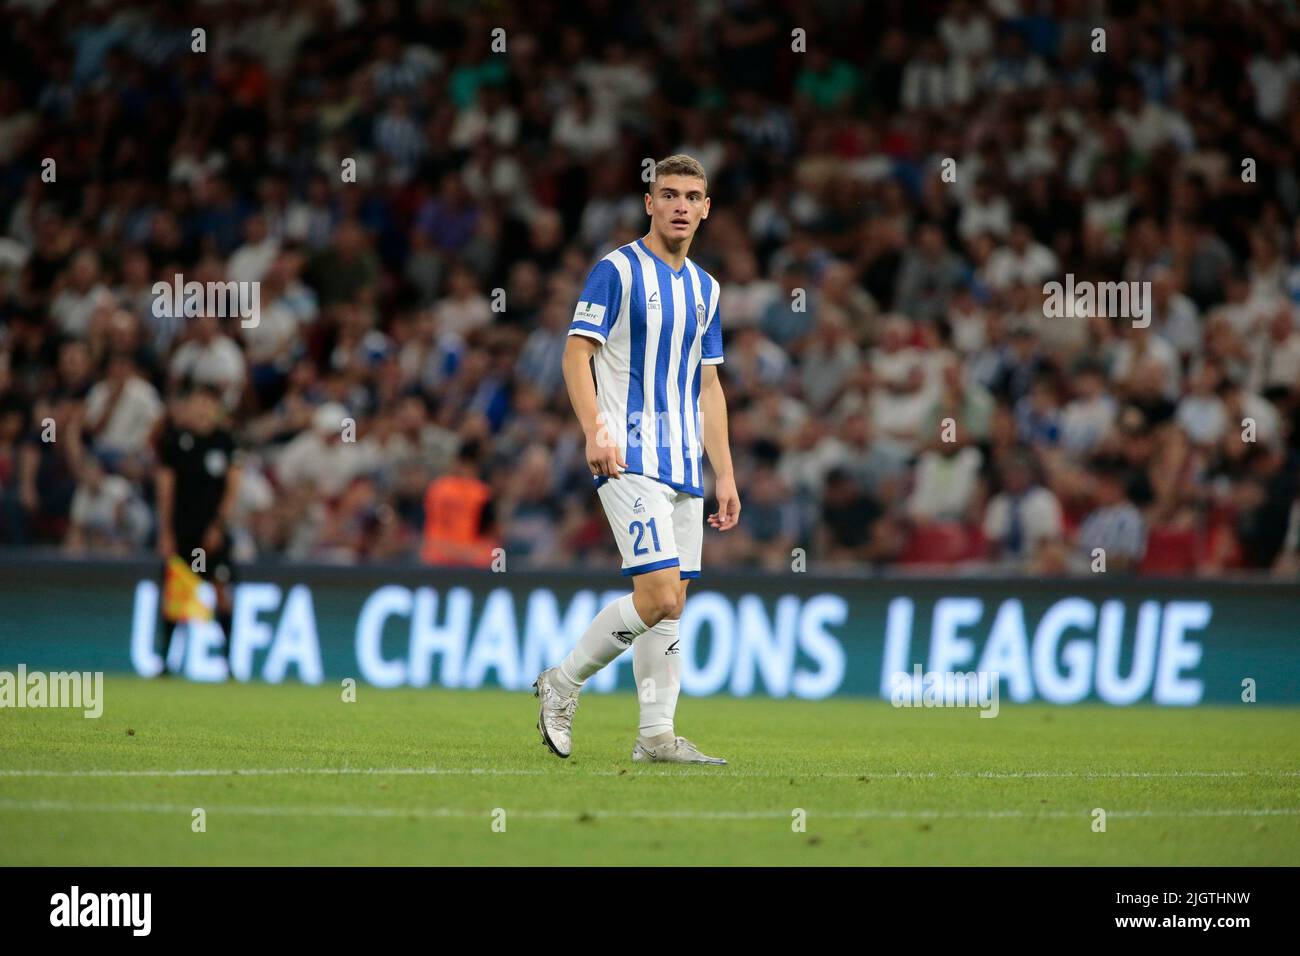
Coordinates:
<point>656,526</point>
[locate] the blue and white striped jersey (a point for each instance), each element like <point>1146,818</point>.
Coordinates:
<point>657,327</point>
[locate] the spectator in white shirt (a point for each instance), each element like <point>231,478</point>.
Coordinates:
<point>899,401</point>
<point>1201,413</point>
<point>1247,417</point>
<point>620,83</point>
<point>465,308</point>
<point>320,458</point>
<point>582,129</point>
<point>250,261</point>
<point>985,211</point>
<point>1174,316</point>
<point>1114,530</point>
<point>966,32</point>
<point>1105,211</point>
<point>1147,124</point>
<point>1023,520</point>
<point>121,410</point>
<point>947,482</point>
<point>106,516</point>
<point>1022,261</point>
<point>1244,313</point>
<point>73,307</point>
<point>932,81</point>
<point>1273,74</point>
<point>1277,356</point>
<point>1087,417</point>
<point>745,291</point>
<point>1138,350</point>
<point>489,115</point>
<point>210,358</point>
<point>829,357</point>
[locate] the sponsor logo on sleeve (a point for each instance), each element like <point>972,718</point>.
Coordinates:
<point>591,312</point>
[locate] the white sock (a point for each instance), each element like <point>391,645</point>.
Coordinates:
<point>608,636</point>
<point>657,664</point>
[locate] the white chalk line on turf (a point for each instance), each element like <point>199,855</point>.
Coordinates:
<point>60,806</point>
<point>660,772</point>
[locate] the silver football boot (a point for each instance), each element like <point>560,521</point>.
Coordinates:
<point>677,750</point>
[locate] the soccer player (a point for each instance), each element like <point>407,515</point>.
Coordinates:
<point>197,486</point>
<point>648,323</point>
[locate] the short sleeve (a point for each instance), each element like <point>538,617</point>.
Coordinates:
<point>233,453</point>
<point>167,451</point>
<point>599,303</point>
<point>711,346</point>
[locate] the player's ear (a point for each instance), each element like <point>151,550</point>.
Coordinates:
<point>707,203</point>
<point>649,204</point>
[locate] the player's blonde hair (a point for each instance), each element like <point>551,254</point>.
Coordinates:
<point>680,164</point>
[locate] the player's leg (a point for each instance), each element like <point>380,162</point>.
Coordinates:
<point>224,613</point>
<point>168,629</point>
<point>656,662</point>
<point>617,627</point>
<point>656,655</point>
<point>656,658</point>
<point>640,514</point>
<point>222,575</point>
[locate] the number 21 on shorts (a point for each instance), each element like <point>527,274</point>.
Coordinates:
<point>639,529</point>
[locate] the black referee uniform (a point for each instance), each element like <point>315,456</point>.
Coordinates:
<point>201,461</point>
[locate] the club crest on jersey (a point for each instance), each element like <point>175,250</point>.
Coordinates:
<point>699,312</point>
<point>215,462</point>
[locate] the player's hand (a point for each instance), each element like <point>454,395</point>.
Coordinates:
<point>603,457</point>
<point>728,513</point>
<point>212,538</point>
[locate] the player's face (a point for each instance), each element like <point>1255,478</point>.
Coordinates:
<point>203,411</point>
<point>676,205</point>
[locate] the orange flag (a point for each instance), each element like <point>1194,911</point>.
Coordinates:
<point>181,593</point>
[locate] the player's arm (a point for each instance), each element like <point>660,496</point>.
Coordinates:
<point>713,423</point>
<point>216,533</point>
<point>603,455</point>
<point>165,492</point>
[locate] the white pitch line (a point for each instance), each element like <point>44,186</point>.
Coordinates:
<point>57,806</point>
<point>278,772</point>
<point>659,772</point>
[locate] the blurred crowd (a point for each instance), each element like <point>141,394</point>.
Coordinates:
<point>892,187</point>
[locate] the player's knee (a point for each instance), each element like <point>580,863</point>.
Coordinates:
<point>661,602</point>
<point>675,602</point>
<point>665,607</point>
<point>679,604</point>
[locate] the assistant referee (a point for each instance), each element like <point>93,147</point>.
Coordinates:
<point>197,485</point>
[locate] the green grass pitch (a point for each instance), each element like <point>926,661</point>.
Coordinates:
<point>424,773</point>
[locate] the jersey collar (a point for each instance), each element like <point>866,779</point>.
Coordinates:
<point>677,273</point>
